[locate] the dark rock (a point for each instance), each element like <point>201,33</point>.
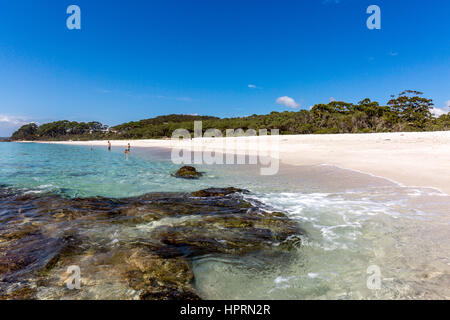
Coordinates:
<point>159,278</point>
<point>19,293</point>
<point>118,255</point>
<point>231,234</point>
<point>217,192</point>
<point>188,172</point>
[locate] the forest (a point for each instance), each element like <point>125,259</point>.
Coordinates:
<point>407,111</point>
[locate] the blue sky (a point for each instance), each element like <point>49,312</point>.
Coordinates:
<point>137,59</point>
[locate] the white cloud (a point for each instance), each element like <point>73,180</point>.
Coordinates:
<point>393,54</point>
<point>104,91</point>
<point>437,112</point>
<point>287,102</point>
<point>12,120</point>
<point>332,99</point>
<point>9,124</point>
<point>252,86</point>
<point>185,99</point>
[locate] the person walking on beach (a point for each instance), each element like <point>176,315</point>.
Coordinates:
<point>109,146</point>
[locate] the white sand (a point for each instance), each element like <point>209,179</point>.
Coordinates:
<point>413,159</point>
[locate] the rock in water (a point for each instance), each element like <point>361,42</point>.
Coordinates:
<point>188,172</point>
<point>121,255</point>
<point>217,192</point>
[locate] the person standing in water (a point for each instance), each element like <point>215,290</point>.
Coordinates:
<point>128,149</point>
<point>109,146</point>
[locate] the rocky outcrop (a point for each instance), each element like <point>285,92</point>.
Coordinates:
<point>217,192</point>
<point>121,255</point>
<point>188,172</point>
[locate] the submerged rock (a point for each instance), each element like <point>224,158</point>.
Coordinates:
<point>217,192</point>
<point>132,248</point>
<point>188,172</point>
<point>158,278</point>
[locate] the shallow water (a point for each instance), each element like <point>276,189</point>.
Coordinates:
<point>76,171</point>
<point>351,221</point>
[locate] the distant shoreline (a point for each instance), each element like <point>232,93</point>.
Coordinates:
<point>411,158</point>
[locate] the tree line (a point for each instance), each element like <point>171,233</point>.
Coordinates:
<point>59,130</point>
<point>407,111</point>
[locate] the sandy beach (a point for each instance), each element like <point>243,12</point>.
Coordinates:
<point>412,159</point>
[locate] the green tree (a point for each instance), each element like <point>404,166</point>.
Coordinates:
<point>412,108</point>
<point>26,132</point>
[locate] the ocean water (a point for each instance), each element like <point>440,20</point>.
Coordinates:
<point>76,171</point>
<point>354,223</point>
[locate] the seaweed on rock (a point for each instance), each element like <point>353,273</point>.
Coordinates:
<point>131,248</point>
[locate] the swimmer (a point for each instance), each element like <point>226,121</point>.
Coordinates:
<point>109,146</point>
<point>128,149</point>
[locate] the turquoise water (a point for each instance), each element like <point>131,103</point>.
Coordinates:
<point>78,171</point>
